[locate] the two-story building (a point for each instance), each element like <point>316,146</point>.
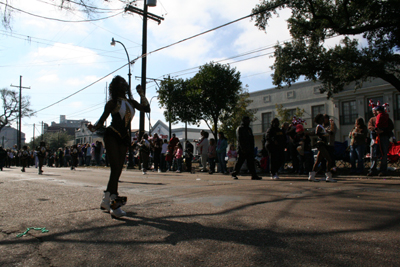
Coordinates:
<point>344,108</point>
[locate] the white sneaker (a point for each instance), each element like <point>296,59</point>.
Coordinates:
<point>311,177</point>
<point>105,202</point>
<point>329,178</point>
<point>118,213</point>
<point>159,170</point>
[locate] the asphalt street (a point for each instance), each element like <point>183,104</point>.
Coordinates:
<point>197,220</point>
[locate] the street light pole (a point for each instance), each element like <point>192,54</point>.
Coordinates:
<point>129,61</point>
<point>130,156</point>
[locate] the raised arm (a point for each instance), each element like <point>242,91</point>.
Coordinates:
<point>145,106</point>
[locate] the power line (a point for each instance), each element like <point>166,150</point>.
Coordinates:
<point>145,55</point>
<point>87,6</point>
<point>60,20</point>
<point>81,89</point>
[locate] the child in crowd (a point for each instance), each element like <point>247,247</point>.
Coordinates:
<point>169,156</point>
<point>178,157</point>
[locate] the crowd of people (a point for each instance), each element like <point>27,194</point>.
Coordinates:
<point>290,143</point>
<point>69,156</point>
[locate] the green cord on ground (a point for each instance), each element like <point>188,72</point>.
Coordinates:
<point>44,230</point>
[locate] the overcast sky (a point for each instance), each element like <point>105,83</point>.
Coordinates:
<point>57,59</point>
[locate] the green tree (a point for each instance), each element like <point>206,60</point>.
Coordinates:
<point>230,121</point>
<point>216,90</point>
<point>213,92</point>
<point>314,21</point>
<point>10,112</point>
<point>53,140</point>
<point>284,114</point>
<point>174,96</point>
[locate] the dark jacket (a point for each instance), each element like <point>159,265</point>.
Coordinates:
<point>275,139</point>
<point>245,139</point>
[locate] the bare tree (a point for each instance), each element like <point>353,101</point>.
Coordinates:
<point>10,112</point>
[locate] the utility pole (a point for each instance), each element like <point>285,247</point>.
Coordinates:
<point>20,115</point>
<point>146,15</point>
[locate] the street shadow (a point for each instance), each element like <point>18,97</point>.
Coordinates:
<point>177,229</point>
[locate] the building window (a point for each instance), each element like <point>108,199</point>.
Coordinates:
<point>267,99</point>
<point>290,94</point>
<point>266,120</point>
<point>315,110</point>
<point>349,113</point>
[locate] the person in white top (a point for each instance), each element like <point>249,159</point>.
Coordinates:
<point>203,148</point>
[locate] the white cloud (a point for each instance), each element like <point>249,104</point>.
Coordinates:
<point>81,81</point>
<point>65,53</point>
<point>50,78</point>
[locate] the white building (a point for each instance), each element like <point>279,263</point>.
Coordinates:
<point>8,137</point>
<point>344,107</point>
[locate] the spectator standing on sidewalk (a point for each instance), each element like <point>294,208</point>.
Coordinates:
<point>275,144</point>
<point>358,136</point>
<point>157,147</point>
<point>245,146</point>
<point>222,144</point>
<point>179,157</point>
<point>323,152</point>
<point>212,155</point>
<point>163,162</point>
<point>144,150</point>
<point>203,148</point>
<point>189,155</point>
<point>67,157</point>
